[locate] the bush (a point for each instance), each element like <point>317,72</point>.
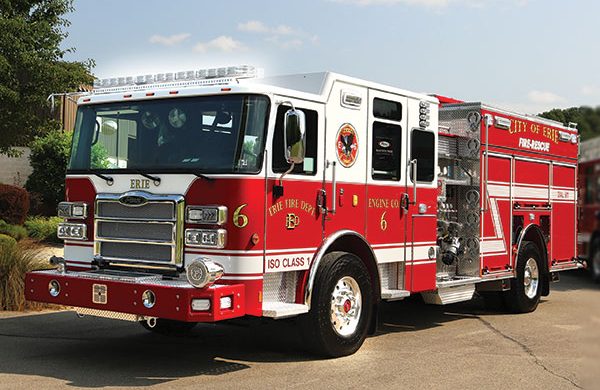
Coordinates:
<point>43,229</point>
<point>7,242</point>
<point>15,261</point>
<point>14,204</point>
<point>17,232</point>
<point>49,158</point>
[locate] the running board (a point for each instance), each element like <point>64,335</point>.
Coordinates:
<point>394,295</point>
<point>451,294</point>
<point>283,309</point>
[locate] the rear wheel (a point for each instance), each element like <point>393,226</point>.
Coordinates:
<point>341,306</point>
<point>169,327</point>
<point>525,292</point>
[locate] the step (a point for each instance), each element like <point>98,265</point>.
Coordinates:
<point>394,295</point>
<point>283,309</point>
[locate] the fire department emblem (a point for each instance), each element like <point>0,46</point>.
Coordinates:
<point>347,145</point>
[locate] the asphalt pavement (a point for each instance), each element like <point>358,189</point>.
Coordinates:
<point>417,347</point>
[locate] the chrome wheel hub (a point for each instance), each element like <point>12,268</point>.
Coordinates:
<point>531,278</point>
<point>346,306</point>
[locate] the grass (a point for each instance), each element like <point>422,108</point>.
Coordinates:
<point>43,229</point>
<point>15,262</point>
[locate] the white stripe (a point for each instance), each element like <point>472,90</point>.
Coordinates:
<point>393,255</point>
<point>234,264</point>
<point>492,246</point>
<point>530,193</point>
<point>241,278</point>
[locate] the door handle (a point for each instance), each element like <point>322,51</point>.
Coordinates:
<point>404,203</point>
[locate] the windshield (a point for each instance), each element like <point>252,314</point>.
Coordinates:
<point>210,134</point>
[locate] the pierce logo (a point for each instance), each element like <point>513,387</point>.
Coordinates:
<point>132,200</point>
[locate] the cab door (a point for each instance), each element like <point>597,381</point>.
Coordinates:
<point>294,226</point>
<point>386,182</point>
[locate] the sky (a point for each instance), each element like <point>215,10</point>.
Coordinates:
<point>524,55</point>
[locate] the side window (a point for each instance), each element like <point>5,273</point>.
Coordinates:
<point>387,109</point>
<point>422,149</point>
<point>386,151</point>
<point>309,166</point>
<point>589,190</point>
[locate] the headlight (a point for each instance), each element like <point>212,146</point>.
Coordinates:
<point>71,231</point>
<point>213,215</point>
<point>203,272</point>
<point>206,238</point>
<point>76,210</point>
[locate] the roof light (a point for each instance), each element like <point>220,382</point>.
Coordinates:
<point>176,79</point>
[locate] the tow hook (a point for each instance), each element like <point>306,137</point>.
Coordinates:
<point>151,322</point>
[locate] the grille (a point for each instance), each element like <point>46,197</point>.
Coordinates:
<point>136,231</point>
<point>148,234</point>
<point>156,211</point>
<point>158,253</point>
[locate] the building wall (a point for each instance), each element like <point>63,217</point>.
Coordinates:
<point>15,170</point>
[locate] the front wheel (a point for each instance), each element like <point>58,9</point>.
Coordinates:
<point>341,306</point>
<point>525,292</point>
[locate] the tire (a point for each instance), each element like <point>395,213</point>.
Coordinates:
<point>526,289</point>
<point>594,261</point>
<point>341,306</point>
<point>169,327</point>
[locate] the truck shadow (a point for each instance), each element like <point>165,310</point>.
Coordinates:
<point>95,352</point>
<point>579,279</point>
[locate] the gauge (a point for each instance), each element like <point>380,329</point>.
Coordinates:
<point>177,117</point>
<point>150,120</point>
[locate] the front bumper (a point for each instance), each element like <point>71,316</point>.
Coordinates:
<point>123,294</point>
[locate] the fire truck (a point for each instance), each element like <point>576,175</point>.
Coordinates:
<point>589,206</point>
<point>208,195</point>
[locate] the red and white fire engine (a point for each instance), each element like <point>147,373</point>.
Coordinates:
<point>589,206</point>
<point>209,195</point>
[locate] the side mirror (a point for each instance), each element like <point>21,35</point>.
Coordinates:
<point>295,136</point>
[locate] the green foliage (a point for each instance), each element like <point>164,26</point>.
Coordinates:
<point>43,229</point>
<point>49,157</point>
<point>99,157</point>
<point>15,261</point>
<point>31,67</point>
<point>587,119</point>
<point>7,242</point>
<point>17,232</point>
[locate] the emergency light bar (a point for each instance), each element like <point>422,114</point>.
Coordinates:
<point>208,76</point>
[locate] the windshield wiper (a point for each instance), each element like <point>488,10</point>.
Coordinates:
<point>203,176</point>
<point>109,180</point>
<point>155,179</point>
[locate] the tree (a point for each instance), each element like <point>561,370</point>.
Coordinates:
<point>32,67</point>
<point>587,119</point>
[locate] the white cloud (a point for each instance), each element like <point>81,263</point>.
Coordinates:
<point>253,26</point>
<point>170,40</point>
<point>256,26</point>
<point>282,36</point>
<point>221,43</point>
<point>545,97</point>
